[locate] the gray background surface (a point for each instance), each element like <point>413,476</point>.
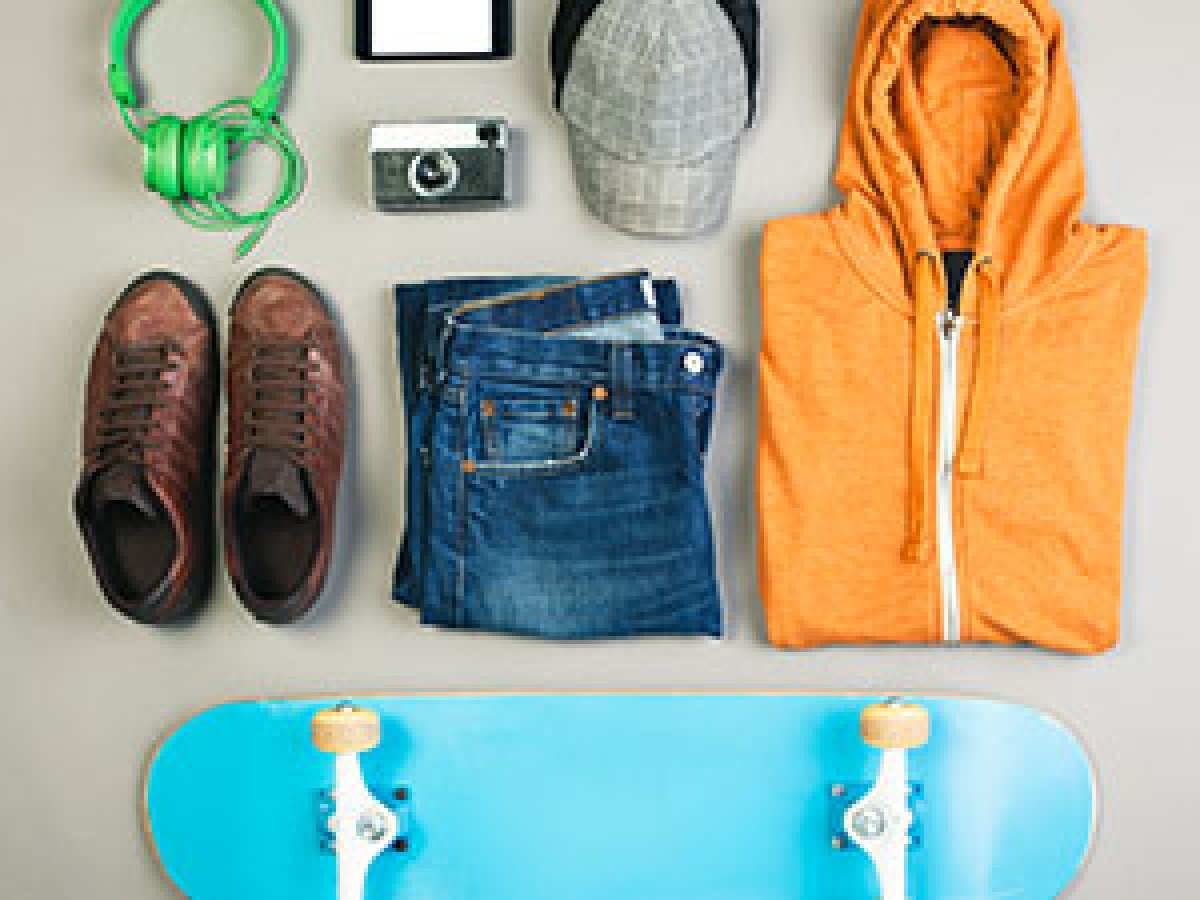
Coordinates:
<point>85,694</point>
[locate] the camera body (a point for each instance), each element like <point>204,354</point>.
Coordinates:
<point>449,164</point>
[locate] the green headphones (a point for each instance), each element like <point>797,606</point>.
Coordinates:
<point>187,160</point>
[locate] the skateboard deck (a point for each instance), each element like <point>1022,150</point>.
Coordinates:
<point>619,797</point>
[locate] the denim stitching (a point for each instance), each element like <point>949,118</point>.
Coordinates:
<point>460,600</point>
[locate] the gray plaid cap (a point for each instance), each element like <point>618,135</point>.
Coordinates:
<point>656,99</point>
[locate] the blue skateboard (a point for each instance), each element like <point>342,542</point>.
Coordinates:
<point>620,797</point>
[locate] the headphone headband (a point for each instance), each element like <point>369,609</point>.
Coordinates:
<point>265,100</point>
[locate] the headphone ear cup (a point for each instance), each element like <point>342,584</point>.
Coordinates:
<point>163,156</point>
<point>205,158</point>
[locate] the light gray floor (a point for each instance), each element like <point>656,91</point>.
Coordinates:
<point>85,694</point>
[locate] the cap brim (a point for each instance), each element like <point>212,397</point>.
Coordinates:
<point>649,198</point>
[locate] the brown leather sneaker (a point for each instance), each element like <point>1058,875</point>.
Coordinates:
<point>285,446</point>
<point>144,501</point>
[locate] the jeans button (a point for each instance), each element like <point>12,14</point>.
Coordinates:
<point>693,362</point>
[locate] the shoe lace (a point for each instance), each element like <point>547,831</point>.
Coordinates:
<point>280,415</point>
<point>128,417</point>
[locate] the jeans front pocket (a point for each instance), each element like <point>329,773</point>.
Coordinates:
<point>534,429</point>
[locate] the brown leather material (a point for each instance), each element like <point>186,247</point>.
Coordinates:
<point>148,434</point>
<point>286,396</point>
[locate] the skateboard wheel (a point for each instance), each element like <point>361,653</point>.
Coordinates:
<point>346,730</point>
<point>895,726</point>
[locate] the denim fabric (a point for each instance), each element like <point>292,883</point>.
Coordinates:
<point>556,438</point>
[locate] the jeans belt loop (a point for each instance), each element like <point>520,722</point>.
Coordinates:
<point>621,390</point>
<point>441,355</point>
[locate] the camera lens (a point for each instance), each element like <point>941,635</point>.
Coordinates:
<point>433,173</point>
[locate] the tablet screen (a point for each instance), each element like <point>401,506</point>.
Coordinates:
<point>432,29</point>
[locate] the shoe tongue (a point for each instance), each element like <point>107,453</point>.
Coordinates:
<point>124,483</point>
<point>274,474</point>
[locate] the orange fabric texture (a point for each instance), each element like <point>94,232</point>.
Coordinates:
<point>961,133</point>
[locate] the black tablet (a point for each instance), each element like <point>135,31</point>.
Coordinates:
<point>433,29</point>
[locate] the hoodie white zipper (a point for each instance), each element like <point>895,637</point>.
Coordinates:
<point>949,328</point>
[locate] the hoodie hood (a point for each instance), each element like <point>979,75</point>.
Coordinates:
<point>962,133</point>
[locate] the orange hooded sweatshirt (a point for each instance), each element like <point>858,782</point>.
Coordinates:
<point>948,355</point>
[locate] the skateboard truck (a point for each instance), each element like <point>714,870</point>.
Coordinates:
<point>396,800</point>
<point>880,822</point>
<point>846,794</point>
<point>361,826</point>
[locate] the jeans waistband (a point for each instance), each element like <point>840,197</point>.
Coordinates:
<point>685,360</point>
<point>519,328</point>
<point>485,297</point>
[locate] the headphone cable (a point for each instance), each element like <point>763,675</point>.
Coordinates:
<point>245,127</point>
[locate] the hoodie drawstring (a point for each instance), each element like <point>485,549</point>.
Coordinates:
<point>970,456</point>
<point>969,463</point>
<point>920,543</point>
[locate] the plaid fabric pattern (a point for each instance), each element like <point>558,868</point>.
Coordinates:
<point>656,100</point>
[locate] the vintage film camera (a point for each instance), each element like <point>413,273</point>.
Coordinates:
<point>440,165</point>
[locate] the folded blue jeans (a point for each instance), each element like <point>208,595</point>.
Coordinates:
<point>557,431</point>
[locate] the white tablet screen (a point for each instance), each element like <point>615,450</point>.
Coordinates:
<point>431,27</point>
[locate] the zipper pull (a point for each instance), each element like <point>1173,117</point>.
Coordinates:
<point>950,323</point>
